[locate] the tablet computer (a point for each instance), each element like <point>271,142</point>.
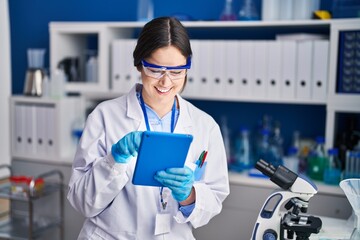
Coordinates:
<point>159,151</point>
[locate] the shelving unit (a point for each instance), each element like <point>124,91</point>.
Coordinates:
<point>32,222</point>
<point>70,39</point>
<point>41,128</point>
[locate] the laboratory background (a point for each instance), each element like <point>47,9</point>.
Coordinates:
<point>281,78</point>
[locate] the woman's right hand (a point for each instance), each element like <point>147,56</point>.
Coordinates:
<point>126,147</point>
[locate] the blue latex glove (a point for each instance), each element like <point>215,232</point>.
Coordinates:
<point>126,147</point>
<point>179,180</point>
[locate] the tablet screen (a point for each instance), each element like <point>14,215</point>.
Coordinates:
<point>159,151</point>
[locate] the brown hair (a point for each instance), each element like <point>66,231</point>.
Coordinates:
<point>161,32</point>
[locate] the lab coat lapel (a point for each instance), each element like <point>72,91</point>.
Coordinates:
<point>184,123</point>
<point>134,111</point>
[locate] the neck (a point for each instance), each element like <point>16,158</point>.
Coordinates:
<point>161,108</point>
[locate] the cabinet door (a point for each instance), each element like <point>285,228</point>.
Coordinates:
<point>238,217</point>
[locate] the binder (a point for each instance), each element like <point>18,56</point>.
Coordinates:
<point>30,129</point>
<point>19,129</point>
<point>304,69</point>
<point>217,83</point>
<point>205,68</point>
<point>231,75</point>
<point>260,69</point>
<point>123,75</point>
<point>192,83</point>
<point>41,121</point>
<point>246,68</point>
<point>320,70</point>
<point>51,143</point>
<point>273,70</point>
<point>288,70</point>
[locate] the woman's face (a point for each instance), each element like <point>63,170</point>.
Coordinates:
<point>159,93</point>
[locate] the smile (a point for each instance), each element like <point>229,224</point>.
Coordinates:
<point>163,90</point>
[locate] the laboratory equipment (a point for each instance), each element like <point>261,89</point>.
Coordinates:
<point>242,151</point>
<point>332,172</point>
<point>248,11</point>
<point>317,161</point>
<point>351,188</point>
<point>35,73</point>
<point>228,13</point>
<point>145,10</point>
<point>37,213</point>
<point>270,225</point>
<point>352,164</point>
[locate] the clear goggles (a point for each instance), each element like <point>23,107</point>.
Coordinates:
<point>173,72</point>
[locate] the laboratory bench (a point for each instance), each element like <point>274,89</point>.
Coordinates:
<point>247,196</point>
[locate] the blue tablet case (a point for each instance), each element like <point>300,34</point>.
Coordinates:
<point>159,151</point>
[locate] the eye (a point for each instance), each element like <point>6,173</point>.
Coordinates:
<point>176,72</point>
<point>154,70</point>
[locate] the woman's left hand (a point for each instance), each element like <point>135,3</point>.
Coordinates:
<point>179,180</point>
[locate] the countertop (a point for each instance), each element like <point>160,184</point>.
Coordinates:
<point>244,179</point>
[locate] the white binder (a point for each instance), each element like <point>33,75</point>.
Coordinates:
<point>41,130</point>
<point>19,129</point>
<point>260,69</point>
<point>205,68</point>
<point>51,143</point>
<point>30,129</point>
<point>273,70</point>
<point>231,75</point>
<point>304,69</point>
<point>123,75</point>
<point>192,83</point>
<point>288,70</point>
<point>218,63</point>
<point>246,68</point>
<point>320,70</point>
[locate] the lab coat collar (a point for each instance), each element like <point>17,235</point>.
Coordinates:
<point>184,122</point>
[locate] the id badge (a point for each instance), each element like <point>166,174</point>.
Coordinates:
<point>162,223</point>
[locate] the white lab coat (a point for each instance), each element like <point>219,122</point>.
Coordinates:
<point>102,190</point>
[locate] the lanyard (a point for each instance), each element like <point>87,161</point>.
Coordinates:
<point>142,103</point>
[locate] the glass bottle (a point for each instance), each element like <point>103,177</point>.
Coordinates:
<point>145,10</point>
<point>242,150</point>
<point>332,172</point>
<point>228,13</point>
<point>291,161</point>
<point>276,146</point>
<point>248,11</point>
<point>317,160</point>
<point>263,147</point>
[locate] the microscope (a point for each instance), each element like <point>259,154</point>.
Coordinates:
<point>270,224</point>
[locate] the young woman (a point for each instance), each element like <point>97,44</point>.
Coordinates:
<point>100,186</point>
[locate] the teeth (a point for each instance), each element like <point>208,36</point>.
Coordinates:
<point>163,90</point>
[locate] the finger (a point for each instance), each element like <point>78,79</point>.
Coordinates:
<point>185,171</point>
<point>175,177</point>
<point>169,182</point>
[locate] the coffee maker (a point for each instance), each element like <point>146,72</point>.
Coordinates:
<point>35,73</point>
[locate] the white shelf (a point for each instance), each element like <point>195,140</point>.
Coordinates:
<point>70,37</point>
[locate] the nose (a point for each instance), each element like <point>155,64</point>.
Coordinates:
<point>165,78</point>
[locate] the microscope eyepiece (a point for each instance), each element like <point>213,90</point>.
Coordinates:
<point>281,175</point>
<point>265,167</point>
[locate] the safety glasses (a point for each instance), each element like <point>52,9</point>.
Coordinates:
<point>174,73</point>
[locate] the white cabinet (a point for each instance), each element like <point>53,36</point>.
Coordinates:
<point>41,129</point>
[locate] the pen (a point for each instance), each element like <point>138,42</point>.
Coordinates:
<point>203,158</point>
